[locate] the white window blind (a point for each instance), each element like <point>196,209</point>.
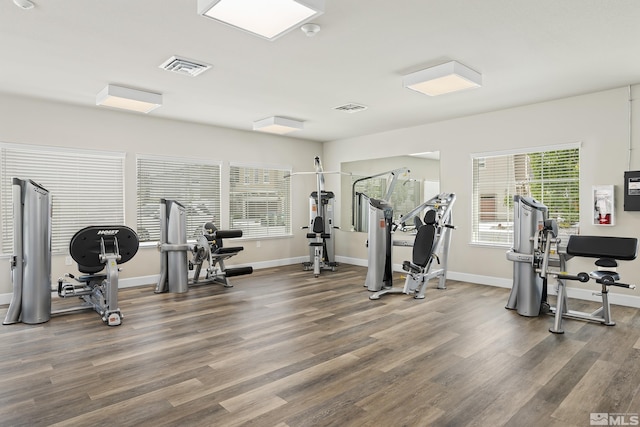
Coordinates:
<point>260,201</point>
<point>193,183</point>
<point>551,177</point>
<point>86,188</point>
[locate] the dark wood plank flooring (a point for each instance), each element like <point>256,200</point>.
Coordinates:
<point>282,348</point>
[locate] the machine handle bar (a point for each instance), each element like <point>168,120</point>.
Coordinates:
<point>581,277</point>
<point>609,281</point>
<point>624,285</point>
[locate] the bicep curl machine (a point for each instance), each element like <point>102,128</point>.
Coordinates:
<point>539,255</point>
<point>174,249</point>
<point>93,248</point>
<point>432,240</point>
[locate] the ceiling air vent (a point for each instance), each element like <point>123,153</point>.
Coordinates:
<point>351,108</point>
<point>184,66</point>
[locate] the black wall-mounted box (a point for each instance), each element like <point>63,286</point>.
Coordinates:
<point>632,191</point>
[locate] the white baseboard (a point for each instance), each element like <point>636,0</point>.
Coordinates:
<point>583,294</point>
<point>480,280</point>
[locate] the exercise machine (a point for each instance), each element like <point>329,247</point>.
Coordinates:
<point>174,250</point>
<point>431,243</point>
<point>321,224</point>
<point>210,248</point>
<point>93,248</point>
<point>320,234</point>
<point>547,259</point>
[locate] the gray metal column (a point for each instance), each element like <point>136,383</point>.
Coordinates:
<point>379,272</point>
<point>31,261</point>
<point>177,265</point>
<point>526,292</point>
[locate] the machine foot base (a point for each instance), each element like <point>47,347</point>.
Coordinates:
<point>114,319</point>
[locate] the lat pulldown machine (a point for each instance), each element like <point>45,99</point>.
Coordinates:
<point>173,246</point>
<point>93,248</point>
<point>432,241</point>
<point>320,234</point>
<point>538,255</point>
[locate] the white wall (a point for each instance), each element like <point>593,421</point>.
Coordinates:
<point>31,121</point>
<point>600,121</point>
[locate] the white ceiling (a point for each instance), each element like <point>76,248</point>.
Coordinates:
<point>527,51</point>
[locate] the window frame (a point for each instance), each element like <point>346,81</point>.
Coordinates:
<point>476,194</point>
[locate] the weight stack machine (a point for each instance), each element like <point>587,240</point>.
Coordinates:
<point>321,232</point>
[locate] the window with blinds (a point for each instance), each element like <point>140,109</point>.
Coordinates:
<point>551,177</point>
<point>260,201</point>
<point>194,183</point>
<point>86,188</point>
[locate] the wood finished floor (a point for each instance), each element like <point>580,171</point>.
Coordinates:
<point>282,348</point>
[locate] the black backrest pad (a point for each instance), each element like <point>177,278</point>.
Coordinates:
<point>318,225</point>
<point>85,244</point>
<point>623,248</point>
<point>423,245</point>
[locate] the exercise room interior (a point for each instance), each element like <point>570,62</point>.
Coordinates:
<point>546,120</point>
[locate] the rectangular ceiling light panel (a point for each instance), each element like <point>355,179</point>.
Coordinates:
<point>445,78</point>
<point>268,19</point>
<point>278,125</point>
<point>128,99</point>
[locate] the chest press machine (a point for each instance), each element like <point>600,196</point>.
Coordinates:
<point>93,248</point>
<point>173,246</point>
<point>539,255</point>
<point>431,243</point>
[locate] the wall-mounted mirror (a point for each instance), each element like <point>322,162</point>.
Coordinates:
<point>407,180</point>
